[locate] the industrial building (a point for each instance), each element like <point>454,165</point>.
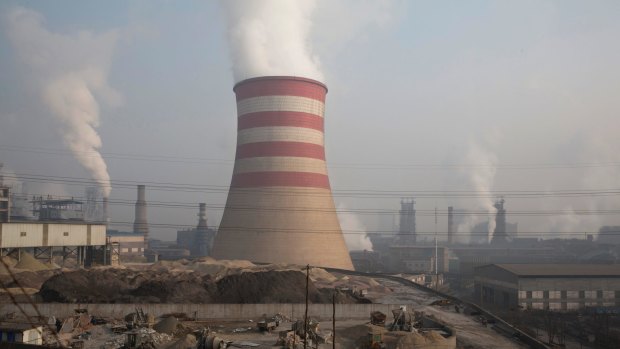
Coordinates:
<point>130,244</point>
<point>407,226</point>
<point>418,258</point>
<point>5,205</point>
<point>280,207</point>
<point>84,242</point>
<point>198,240</point>
<point>556,287</point>
<point>13,332</point>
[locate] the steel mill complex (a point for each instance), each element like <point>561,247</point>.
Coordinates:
<point>280,207</point>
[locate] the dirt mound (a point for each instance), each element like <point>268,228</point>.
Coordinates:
<point>404,340</point>
<point>186,342</point>
<point>111,285</point>
<point>266,287</point>
<point>28,262</point>
<point>167,325</point>
<point>176,282</point>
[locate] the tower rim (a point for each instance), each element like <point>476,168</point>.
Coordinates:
<point>280,77</point>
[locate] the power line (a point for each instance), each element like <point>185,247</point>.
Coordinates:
<point>357,193</point>
<point>386,166</point>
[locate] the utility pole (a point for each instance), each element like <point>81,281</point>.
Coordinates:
<point>306,315</point>
<point>334,320</point>
<point>436,257</point>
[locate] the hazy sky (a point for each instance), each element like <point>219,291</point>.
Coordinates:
<point>434,96</point>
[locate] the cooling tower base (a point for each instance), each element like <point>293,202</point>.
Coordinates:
<point>285,225</point>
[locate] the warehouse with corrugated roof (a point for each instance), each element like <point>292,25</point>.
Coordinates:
<point>558,287</point>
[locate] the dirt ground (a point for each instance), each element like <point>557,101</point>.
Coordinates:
<point>470,333</point>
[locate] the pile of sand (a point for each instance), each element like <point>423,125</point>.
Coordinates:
<point>10,262</point>
<point>186,342</point>
<point>168,325</point>
<point>28,262</point>
<point>405,340</point>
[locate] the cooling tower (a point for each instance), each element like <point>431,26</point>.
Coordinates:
<point>140,224</point>
<point>280,207</point>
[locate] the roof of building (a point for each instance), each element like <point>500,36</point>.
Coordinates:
<point>17,326</point>
<point>562,270</point>
<point>123,233</point>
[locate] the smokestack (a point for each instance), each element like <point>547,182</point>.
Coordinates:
<point>280,207</point>
<point>203,241</point>
<point>106,218</point>
<point>407,228</point>
<point>450,225</point>
<point>499,234</point>
<point>140,224</point>
<point>202,216</point>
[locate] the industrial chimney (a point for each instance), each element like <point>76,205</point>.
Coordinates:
<point>202,238</point>
<point>499,235</point>
<point>140,224</point>
<point>280,207</point>
<point>450,225</point>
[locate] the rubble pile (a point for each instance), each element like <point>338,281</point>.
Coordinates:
<point>114,285</point>
<point>173,284</point>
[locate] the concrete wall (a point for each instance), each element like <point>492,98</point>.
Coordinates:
<point>212,311</point>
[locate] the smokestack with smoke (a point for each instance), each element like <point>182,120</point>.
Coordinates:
<point>480,169</point>
<point>270,37</point>
<point>70,71</point>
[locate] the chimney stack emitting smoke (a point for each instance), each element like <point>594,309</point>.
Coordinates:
<point>140,224</point>
<point>280,207</point>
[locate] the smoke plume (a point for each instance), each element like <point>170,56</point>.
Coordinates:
<point>271,37</point>
<point>353,230</point>
<point>480,169</point>
<point>69,71</point>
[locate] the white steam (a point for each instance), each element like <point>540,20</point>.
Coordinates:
<point>70,71</point>
<point>271,37</point>
<point>354,230</point>
<point>480,169</point>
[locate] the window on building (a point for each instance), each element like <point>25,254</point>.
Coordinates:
<point>65,233</point>
<point>23,233</point>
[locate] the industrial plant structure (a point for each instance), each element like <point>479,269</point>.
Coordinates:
<point>198,240</point>
<point>407,227</point>
<point>280,207</point>
<point>140,224</point>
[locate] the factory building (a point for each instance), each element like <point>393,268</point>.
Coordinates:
<point>130,245</point>
<point>556,287</point>
<point>200,239</point>
<point>12,333</point>
<point>609,235</point>
<point>418,259</point>
<point>280,207</point>
<point>407,227</point>
<point>84,242</point>
<point>5,204</point>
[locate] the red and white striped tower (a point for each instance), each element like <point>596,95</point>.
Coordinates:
<point>280,207</point>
